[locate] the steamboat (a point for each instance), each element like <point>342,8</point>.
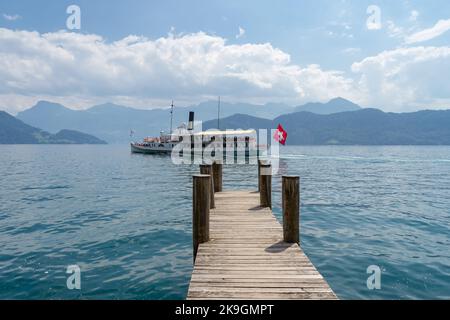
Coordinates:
<point>233,140</point>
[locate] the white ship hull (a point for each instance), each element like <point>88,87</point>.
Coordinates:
<point>152,148</point>
<point>235,143</point>
<point>166,148</point>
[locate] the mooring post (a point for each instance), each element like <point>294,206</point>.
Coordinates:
<point>207,169</point>
<point>265,192</point>
<point>200,210</point>
<point>260,162</point>
<point>259,175</point>
<point>291,208</point>
<point>217,175</point>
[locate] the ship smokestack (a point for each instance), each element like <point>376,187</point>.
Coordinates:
<point>191,121</point>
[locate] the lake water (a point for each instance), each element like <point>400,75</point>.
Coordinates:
<point>125,219</point>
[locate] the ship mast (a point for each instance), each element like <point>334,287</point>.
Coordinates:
<point>171,118</point>
<point>218,114</point>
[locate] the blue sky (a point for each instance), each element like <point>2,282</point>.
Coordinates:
<point>309,44</point>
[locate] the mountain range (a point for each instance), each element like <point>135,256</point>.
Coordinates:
<point>333,106</point>
<point>14,131</point>
<point>113,123</point>
<point>360,127</point>
<point>337,122</point>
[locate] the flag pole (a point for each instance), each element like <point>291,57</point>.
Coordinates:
<point>171,118</point>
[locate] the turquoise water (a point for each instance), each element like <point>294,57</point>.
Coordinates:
<point>125,219</point>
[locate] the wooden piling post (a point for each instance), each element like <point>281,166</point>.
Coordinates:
<point>200,210</point>
<point>265,192</point>
<point>217,175</point>
<point>260,162</point>
<point>207,169</point>
<point>259,175</point>
<point>291,208</point>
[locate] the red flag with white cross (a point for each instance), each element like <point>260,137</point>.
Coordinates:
<point>280,135</point>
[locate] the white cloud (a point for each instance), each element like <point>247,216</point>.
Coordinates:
<point>351,51</point>
<point>11,17</point>
<point>188,68</point>
<point>406,78</point>
<point>241,33</point>
<point>80,70</point>
<point>438,29</point>
<point>393,30</point>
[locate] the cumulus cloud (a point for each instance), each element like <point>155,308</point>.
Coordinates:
<point>351,51</point>
<point>406,78</point>
<point>190,68</point>
<point>438,29</point>
<point>241,33</point>
<point>11,17</point>
<point>393,30</point>
<point>80,70</point>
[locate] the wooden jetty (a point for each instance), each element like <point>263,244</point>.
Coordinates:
<point>241,251</point>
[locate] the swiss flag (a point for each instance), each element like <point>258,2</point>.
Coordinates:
<point>280,135</point>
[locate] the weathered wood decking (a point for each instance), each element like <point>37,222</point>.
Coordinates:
<point>246,257</point>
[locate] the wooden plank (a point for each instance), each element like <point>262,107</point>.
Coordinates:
<point>303,285</point>
<point>260,289</point>
<point>254,294</point>
<point>262,281</point>
<point>246,257</point>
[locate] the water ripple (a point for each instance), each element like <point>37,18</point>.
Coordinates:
<point>126,220</point>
